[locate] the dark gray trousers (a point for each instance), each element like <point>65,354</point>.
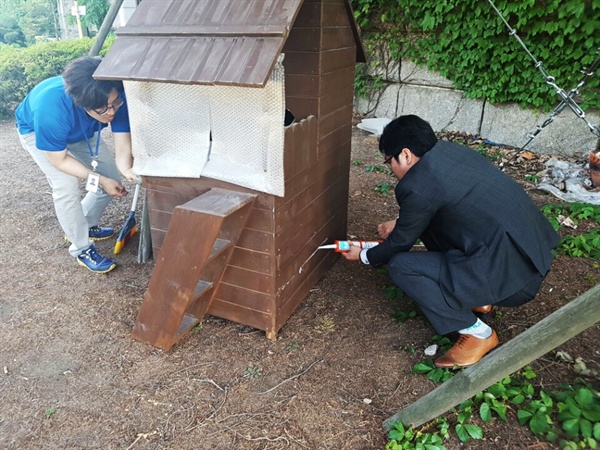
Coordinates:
<point>417,274</point>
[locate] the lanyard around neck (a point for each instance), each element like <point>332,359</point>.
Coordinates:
<point>93,153</point>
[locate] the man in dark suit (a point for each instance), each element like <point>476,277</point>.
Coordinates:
<point>488,244</point>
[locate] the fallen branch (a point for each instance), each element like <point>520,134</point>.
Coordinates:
<point>298,375</point>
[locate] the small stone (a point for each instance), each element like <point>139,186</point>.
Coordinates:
<point>431,350</point>
<point>367,401</point>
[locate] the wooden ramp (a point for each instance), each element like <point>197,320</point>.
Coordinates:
<point>199,242</point>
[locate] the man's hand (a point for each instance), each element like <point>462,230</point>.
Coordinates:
<point>113,187</point>
<point>353,254</point>
<point>384,229</point>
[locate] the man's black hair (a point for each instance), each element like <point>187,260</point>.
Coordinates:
<point>83,88</point>
<point>409,132</point>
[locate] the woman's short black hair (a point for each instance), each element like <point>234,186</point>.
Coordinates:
<point>83,88</point>
<point>409,132</point>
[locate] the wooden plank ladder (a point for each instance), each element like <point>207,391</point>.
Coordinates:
<point>199,242</point>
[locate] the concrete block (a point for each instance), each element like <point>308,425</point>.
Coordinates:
<point>385,104</point>
<point>511,125</point>
<point>415,74</point>
<point>444,109</point>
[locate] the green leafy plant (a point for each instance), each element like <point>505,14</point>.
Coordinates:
<point>536,414</point>
<point>586,245</point>
<point>582,246</point>
<point>402,438</point>
<point>579,414</point>
<point>532,179</point>
<point>50,412</point>
<point>435,374</point>
<point>393,292</point>
<point>381,168</point>
<point>383,188</point>
<point>464,429</point>
<point>493,154</point>
<point>570,416</point>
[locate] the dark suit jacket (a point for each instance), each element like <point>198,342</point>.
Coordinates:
<point>493,238</point>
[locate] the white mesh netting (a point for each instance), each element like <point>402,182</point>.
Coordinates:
<point>172,125</point>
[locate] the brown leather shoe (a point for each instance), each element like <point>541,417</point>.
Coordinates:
<point>467,351</point>
<point>483,309</point>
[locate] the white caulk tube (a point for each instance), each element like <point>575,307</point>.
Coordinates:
<point>344,246</point>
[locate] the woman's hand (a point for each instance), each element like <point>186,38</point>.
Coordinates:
<point>113,187</point>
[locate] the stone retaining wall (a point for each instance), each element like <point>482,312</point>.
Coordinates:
<point>412,89</point>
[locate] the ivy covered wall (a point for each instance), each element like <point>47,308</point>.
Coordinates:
<point>468,43</point>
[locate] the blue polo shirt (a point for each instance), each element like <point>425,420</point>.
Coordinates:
<point>49,112</point>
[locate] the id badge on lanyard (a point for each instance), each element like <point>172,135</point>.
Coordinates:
<point>93,180</point>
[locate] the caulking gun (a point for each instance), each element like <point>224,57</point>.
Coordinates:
<point>344,246</point>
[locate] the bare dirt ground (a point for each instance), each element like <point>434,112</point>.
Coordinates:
<point>71,377</point>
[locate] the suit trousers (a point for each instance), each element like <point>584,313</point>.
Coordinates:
<point>418,275</point>
<point>75,215</point>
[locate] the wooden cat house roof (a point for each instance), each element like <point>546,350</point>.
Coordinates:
<point>217,42</point>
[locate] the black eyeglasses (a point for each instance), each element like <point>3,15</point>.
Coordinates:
<point>115,105</point>
<point>388,160</point>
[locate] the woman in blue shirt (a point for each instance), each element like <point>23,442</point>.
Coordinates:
<point>59,124</point>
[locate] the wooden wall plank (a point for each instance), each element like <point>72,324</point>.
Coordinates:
<point>252,260</point>
<point>248,279</point>
<point>300,246</point>
<point>261,220</point>
<point>244,298</point>
<point>193,187</point>
<point>342,118</point>
<point>300,85</point>
<point>302,107</point>
<point>337,59</point>
<point>310,15</point>
<point>337,37</point>
<point>332,81</point>
<point>303,39</point>
<point>258,241</point>
<point>287,303</point>
<point>335,101</point>
<point>245,316</point>
<point>335,15</point>
<point>302,63</point>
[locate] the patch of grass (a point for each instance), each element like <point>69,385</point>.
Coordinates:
<point>325,324</point>
<point>50,412</point>
<point>292,346</point>
<point>253,373</point>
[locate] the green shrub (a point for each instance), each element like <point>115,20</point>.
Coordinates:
<point>22,68</point>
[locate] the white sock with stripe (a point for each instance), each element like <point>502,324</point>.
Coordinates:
<point>479,329</point>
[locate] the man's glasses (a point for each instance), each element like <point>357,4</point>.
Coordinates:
<point>388,160</point>
<point>115,105</point>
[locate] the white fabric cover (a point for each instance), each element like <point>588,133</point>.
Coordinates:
<point>172,126</point>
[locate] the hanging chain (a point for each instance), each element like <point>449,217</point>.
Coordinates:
<point>567,98</point>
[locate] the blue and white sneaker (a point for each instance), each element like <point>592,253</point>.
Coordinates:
<point>100,233</point>
<point>97,233</point>
<point>95,261</point>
